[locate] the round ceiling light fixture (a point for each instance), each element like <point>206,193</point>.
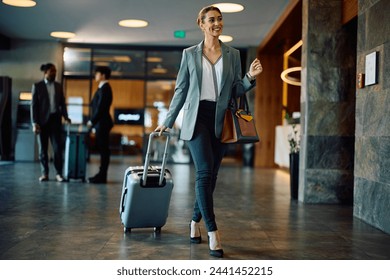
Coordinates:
<point>225,38</point>
<point>62,34</point>
<point>229,7</point>
<point>20,3</point>
<point>133,23</point>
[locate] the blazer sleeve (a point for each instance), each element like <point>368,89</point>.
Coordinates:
<point>181,91</point>
<point>241,84</point>
<point>102,106</point>
<point>34,110</point>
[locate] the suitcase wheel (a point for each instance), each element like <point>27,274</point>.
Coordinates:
<point>157,229</point>
<point>126,230</point>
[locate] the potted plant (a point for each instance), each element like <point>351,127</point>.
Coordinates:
<point>294,141</point>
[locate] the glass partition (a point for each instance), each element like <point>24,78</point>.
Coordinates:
<point>77,61</point>
<point>143,84</point>
<point>163,64</point>
<point>123,63</point>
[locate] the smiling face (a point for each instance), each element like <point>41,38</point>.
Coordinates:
<point>212,23</point>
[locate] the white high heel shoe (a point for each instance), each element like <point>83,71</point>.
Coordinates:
<point>195,236</point>
<point>215,244</point>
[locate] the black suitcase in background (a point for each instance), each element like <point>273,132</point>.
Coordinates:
<point>146,193</point>
<point>76,153</point>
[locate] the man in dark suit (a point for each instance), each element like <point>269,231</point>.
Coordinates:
<point>47,109</point>
<point>101,121</point>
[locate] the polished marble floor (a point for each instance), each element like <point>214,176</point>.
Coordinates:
<point>256,218</point>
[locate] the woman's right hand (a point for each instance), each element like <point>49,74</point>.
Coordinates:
<point>161,129</point>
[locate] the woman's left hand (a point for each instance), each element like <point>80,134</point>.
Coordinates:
<point>255,68</point>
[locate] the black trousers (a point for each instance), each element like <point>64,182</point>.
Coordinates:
<point>103,146</point>
<point>53,131</point>
<point>207,152</point>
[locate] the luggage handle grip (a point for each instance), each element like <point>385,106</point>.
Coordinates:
<point>122,208</point>
<point>164,159</point>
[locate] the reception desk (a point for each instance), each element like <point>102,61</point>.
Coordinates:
<point>282,147</point>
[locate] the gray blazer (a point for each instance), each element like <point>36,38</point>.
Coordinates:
<point>189,84</point>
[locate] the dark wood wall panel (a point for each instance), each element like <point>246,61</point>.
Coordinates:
<point>350,10</point>
<point>268,102</point>
<point>269,90</point>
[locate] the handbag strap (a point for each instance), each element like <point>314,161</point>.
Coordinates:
<point>242,104</point>
<point>232,105</point>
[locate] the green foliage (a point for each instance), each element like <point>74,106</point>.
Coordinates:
<point>293,138</point>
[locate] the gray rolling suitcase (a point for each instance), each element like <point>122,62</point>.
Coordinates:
<point>146,193</point>
<point>76,153</point>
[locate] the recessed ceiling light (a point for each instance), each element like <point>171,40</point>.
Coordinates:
<point>134,23</point>
<point>62,34</point>
<point>225,38</point>
<point>166,87</point>
<point>159,69</point>
<point>20,3</point>
<point>153,59</point>
<point>122,58</point>
<point>229,7</point>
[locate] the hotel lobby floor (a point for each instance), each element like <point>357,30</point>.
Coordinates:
<point>256,218</point>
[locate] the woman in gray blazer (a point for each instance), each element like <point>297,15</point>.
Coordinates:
<point>209,74</point>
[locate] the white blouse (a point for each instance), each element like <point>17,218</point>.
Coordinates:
<point>211,79</point>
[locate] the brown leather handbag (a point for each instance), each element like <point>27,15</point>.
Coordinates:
<point>239,125</point>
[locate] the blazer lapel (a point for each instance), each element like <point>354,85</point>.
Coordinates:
<point>226,63</point>
<point>198,63</point>
<point>44,91</point>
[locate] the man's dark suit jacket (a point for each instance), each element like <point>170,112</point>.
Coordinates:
<point>101,102</point>
<point>40,103</point>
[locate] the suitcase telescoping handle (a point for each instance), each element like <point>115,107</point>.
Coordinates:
<point>79,129</point>
<point>164,159</point>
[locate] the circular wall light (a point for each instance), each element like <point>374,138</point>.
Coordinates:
<point>20,3</point>
<point>62,34</point>
<point>133,23</point>
<point>291,80</point>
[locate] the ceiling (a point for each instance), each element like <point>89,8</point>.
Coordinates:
<point>96,21</point>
